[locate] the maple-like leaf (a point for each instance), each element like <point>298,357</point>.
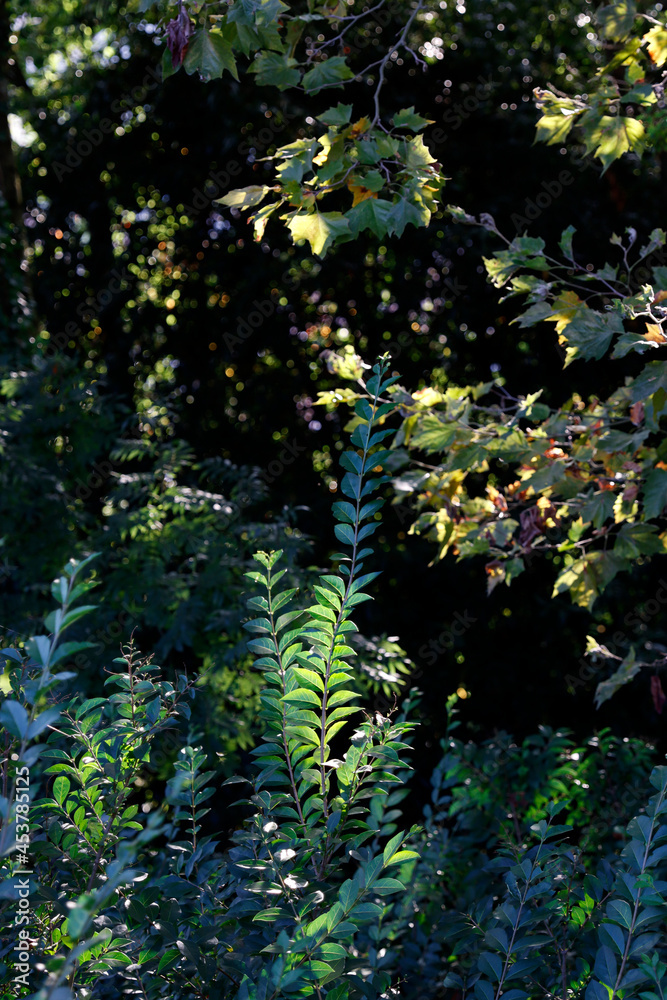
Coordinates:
<point>566,307</point>
<point>359,192</point>
<point>654,334</point>
<point>210,54</point>
<point>626,671</point>
<point>657,44</point>
<point>614,136</point>
<point>319,228</point>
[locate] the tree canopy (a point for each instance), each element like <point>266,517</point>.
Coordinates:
<point>214,217</point>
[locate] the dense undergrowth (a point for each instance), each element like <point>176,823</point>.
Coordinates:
<point>525,878</point>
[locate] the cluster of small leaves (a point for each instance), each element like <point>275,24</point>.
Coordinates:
<point>315,811</point>
<point>299,900</point>
<point>586,482</point>
<point>298,906</point>
<point>453,922</point>
<point>391,177</point>
<point>80,862</point>
<point>556,898</point>
<point>558,927</point>
<point>624,107</point>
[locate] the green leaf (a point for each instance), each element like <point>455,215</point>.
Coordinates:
<point>606,966</point>
<point>303,696</point>
<point>332,72</point>
<point>274,69</point>
<point>339,116</point>
<point>344,533</point>
<point>7,653</point>
<point>565,242</point>
<point>626,671</point>
<point>655,493</point>
<point>656,40</point>
<point>638,539</point>
<point>400,857</point>
<point>167,65</point>
<point>170,957</point>
<point>587,577</point>
<point>269,915</point>
<point>371,213</point>
<point>244,198</point>
<point>61,787</point>
<point>383,886</point>
<point>650,380</point>
<point>75,615</point>
<point>66,650</point>
<point>588,334</point>
<point>553,127</point>
<point>256,12</point>
<point>14,718</point>
<point>617,19</point>
<point>321,229</point>
<point>491,965</point>
<point>209,54</point>
<point>304,733</point>
<point>417,154</point>
<point>407,118</point>
<point>43,720</point>
<point>614,136</point>
<point>599,508</point>
<point>433,434</point>
<point>404,213</point>
<point>344,511</point>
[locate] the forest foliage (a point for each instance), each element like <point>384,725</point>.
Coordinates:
<point>190,309</point>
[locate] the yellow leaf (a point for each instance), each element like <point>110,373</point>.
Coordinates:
<point>428,396</point>
<point>570,304</point>
<point>654,333</point>
<point>322,157</point>
<point>657,44</point>
<point>625,508</point>
<point>359,127</point>
<point>615,136</point>
<point>359,192</point>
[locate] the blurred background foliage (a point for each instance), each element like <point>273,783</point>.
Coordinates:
<point>159,367</point>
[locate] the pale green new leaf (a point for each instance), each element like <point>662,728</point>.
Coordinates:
<point>320,229</point>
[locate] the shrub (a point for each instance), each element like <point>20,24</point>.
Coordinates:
<point>317,896</point>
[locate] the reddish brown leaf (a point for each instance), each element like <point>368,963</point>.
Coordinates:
<point>178,37</point>
<point>657,694</point>
<point>637,413</point>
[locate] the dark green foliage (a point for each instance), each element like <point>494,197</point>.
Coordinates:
<point>318,894</point>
